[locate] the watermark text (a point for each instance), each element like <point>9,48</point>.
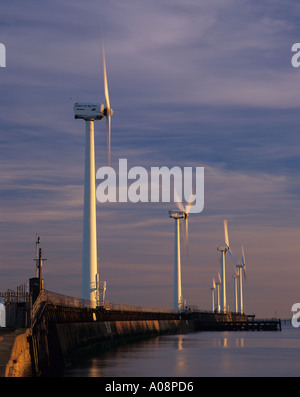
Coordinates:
<point>296,314</point>
<point>160,184</point>
<point>296,57</point>
<point>2,56</point>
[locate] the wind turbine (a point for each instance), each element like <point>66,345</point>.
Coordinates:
<point>242,273</point>
<point>235,278</point>
<point>91,111</point>
<point>182,213</point>
<point>224,251</point>
<point>218,284</point>
<point>213,288</point>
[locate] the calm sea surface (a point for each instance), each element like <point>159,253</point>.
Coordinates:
<point>199,354</point>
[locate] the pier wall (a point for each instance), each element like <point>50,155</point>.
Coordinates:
<point>77,337</point>
<point>19,363</point>
<point>60,334</point>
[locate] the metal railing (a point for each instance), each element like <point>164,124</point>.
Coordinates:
<point>22,295</point>
<point>60,299</point>
<point>64,300</point>
<point>261,320</point>
<point>130,308</point>
<point>15,296</point>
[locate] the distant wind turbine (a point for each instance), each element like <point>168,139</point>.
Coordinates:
<point>218,284</point>
<point>182,213</point>
<point>213,288</point>
<point>91,111</point>
<point>235,278</point>
<point>224,251</point>
<point>242,273</point>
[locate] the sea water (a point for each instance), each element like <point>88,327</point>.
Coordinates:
<point>200,354</point>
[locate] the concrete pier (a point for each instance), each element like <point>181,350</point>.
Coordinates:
<point>60,329</point>
<point>15,359</point>
<point>48,347</point>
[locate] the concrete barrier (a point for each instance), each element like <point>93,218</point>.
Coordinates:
<point>61,333</point>
<point>74,338</point>
<point>19,363</point>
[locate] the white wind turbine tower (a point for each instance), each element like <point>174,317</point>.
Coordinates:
<point>242,273</point>
<point>213,288</point>
<point>224,251</point>
<point>218,284</point>
<point>182,213</point>
<point>90,111</point>
<point>235,279</point>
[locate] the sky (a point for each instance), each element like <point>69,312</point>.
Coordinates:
<point>200,84</point>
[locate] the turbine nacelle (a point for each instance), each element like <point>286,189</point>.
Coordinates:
<point>88,111</point>
<point>177,214</point>
<point>223,249</point>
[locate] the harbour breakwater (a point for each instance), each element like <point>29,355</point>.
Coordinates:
<point>61,332</point>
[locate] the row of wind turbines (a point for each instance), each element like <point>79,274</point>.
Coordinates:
<point>90,280</point>
<point>218,289</point>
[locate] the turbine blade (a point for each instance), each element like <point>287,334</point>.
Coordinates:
<point>108,111</point>
<point>214,284</point>
<point>178,201</point>
<point>189,203</point>
<point>187,227</point>
<point>243,256</point>
<point>244,272</point>
<point>105,80</point>
<point>180,206</point>
<point>108,126</point>
<point>232,256</point>
<point>226,233</point>
<point>185,235</point>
